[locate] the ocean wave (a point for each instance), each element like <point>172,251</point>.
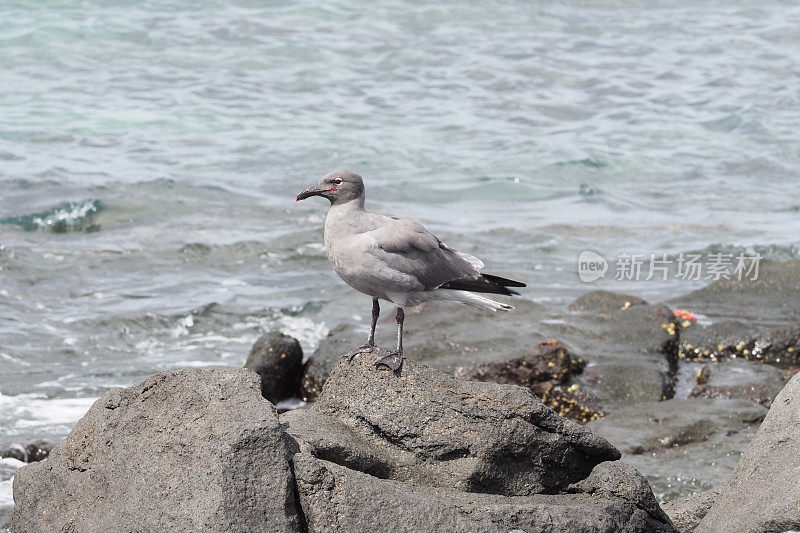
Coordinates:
<point>70,216</point>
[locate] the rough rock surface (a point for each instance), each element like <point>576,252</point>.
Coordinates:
<point>188,450</point>
<point>687,512</point>
<point>425,426</point>
<point>763,493</point>
<point>278,360</point>
<point>337,499</point>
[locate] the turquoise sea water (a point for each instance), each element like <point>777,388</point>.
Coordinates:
<point>150,152</point>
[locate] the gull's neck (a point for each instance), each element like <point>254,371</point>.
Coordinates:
<point>345,215</point>
<point>354,205</point>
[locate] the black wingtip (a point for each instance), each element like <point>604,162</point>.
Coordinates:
<point>486,283</point>
<point>503,282</point>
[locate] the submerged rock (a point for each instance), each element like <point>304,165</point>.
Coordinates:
<point>682,445</point>
<point>763,493</point>
<point>278,360</point>
<point>13,451</point>
<point>605,301</point>
<point>188,450</point>
<point>65,217</point>
<point>755,392</point>
<point>726,340</point>
<point>652,426</point>
<point>772,298</point>
<point>632,350</point>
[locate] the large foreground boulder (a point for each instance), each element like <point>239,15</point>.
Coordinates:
<point>425,426</point>
<point>763,493</point>
<point>188,450</point>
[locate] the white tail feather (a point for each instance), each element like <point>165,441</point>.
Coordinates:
<point>469,298</point>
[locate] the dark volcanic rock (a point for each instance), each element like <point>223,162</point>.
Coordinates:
<point>733,378</point>
<point>605,301</point>
<point>278,360</point>
<point>37,451</point>
<point>763,493</point>
<point>188,450</point>
<point>428,427</point>
<point>544,371</point>
<point>13,451</point>
<point>337,499</point>
<point>549,361</point>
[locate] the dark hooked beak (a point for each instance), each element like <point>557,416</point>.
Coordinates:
<point>311,191</point>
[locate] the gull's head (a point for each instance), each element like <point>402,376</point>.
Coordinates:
<point>339,186</point>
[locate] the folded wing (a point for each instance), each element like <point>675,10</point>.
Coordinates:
<point>405,246</point>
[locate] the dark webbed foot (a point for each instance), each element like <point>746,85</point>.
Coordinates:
<point>392,360</point>
<point>366,348</point>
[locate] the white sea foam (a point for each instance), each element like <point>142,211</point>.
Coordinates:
<point>6,494</point>
<point>9,357</point>
<point>195,364</point>
<point>308,332</point>
<point>290,404</point>
<point>37,411</point>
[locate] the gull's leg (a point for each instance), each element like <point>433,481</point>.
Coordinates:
<point>394,360</point>
<point>370,345</point>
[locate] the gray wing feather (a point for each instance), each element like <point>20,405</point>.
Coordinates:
<point>405,246</point>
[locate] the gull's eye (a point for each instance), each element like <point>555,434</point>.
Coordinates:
<point>337,181</point>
